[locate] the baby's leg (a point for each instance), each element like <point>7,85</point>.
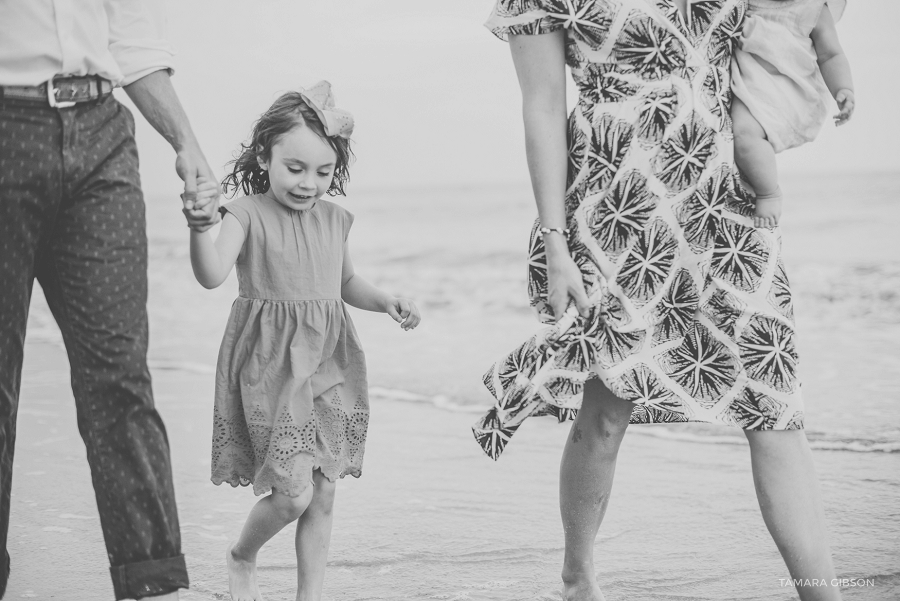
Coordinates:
<point>755,158</point>
<point>313,537</point>
<point>266,519</point>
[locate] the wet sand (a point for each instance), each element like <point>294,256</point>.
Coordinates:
<point>432,518</point>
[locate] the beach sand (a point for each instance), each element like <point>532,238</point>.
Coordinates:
<point>432,517</point>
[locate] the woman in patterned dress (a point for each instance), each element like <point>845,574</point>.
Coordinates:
<point>665,303</point>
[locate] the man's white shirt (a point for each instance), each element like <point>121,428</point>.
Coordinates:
<point>120,40</point>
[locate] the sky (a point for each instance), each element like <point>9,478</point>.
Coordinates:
<point>434,94</point>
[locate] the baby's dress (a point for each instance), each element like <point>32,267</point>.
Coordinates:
<point>775,72</point>
<point>291,393</point>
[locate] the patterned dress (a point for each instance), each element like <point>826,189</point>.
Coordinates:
<point>691,314</point>
<point>291,392</point>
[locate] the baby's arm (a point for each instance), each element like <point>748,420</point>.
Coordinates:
<point>359,293</point>
<point>834,65</point>
<point>212,262</point>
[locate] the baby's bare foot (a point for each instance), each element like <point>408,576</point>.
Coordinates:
<point>768,210</point>
<point>241,578</point>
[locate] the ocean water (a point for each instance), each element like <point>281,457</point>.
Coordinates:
<point>434,519</point>
<point>460,253</point>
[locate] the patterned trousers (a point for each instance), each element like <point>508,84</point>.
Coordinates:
<point>72,215</point>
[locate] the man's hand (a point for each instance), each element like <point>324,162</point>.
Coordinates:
<point>205,196</point>
<point>201,211</point>
<point>155,97</point>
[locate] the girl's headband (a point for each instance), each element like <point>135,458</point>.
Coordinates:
<point>337,122</point>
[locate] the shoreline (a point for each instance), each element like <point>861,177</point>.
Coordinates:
<point>430,501</point>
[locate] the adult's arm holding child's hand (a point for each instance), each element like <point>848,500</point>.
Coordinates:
<point>359,293</point>
<point>157,101</point>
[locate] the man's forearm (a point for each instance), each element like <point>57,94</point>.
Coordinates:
<point>155,97</point>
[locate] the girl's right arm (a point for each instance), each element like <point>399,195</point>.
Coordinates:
<point>541,68</point>
<point>212,261</point>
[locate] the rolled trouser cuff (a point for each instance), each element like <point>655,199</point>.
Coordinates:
<point>149,578</point>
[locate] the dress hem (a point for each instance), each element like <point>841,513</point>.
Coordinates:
<point>237,479</point>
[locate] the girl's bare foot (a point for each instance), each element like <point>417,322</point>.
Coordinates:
<point>581,589</point>
<point>242,582</point>
<point>768,209</point>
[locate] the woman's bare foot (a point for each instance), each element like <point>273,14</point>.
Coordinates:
<point>768,209</point>
<point>581,589</point>
<point>242,582</point>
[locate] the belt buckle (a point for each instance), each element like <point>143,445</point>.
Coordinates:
<point>51,97</point>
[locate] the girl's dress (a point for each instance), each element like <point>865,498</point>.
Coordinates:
<point>291,393</point>
<point>775,71</point>
<point>692,317</point>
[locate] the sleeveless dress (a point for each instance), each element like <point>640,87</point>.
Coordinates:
<point>775,71</point>
<point>691,314</point>
<point>291,394</point>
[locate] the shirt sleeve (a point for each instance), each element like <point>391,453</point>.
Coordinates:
<point>137,38</point>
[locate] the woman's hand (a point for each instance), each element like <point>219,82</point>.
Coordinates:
<point>404,312</point>
<point>564,281</point>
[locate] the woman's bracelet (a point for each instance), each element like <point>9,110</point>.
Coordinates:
<point>554,230</point>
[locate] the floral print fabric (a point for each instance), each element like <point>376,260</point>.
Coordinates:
<point>691,308</point>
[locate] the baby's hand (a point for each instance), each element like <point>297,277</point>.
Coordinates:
<point>846,103</point>
<point>404,312</point>
<point>207,191</point>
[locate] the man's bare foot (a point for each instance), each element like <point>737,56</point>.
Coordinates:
<point>241,578</point>
<point>768,209</point>
<point>582,589</point>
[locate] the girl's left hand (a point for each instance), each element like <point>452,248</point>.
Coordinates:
<point>846,103</point>
<point>404,312</point>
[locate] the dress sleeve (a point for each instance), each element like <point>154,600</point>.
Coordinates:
<point>837,8</point>
<point>525,17</point>
<point>348,223</point>
<point>240,210</point>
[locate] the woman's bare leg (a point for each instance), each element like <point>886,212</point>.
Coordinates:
<point>791,505</point>
<point>755,159</point>
<point>585,480</point>
<point>312,539</point>
<point>266,519</point>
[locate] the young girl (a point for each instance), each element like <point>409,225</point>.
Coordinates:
<point>291,406</point>
<point>787,62</point>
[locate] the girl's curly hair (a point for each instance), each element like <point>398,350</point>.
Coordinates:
<point>286,113</point>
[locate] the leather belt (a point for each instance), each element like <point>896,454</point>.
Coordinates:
<point>61,91</point>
